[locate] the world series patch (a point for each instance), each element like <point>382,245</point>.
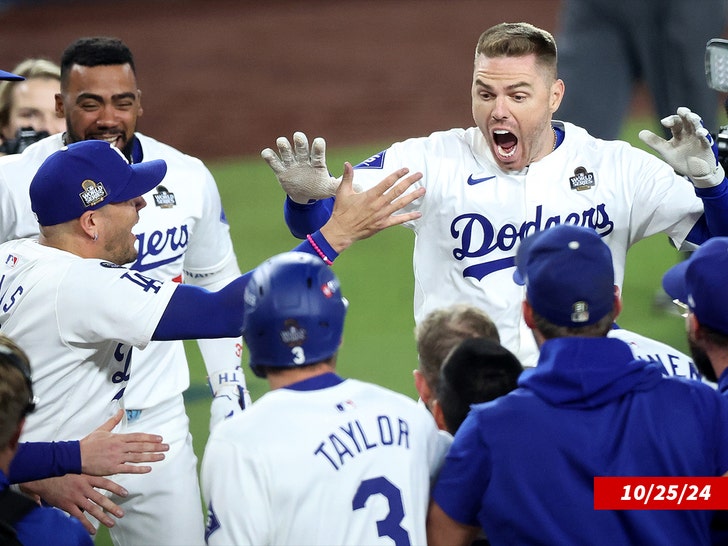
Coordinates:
<point>582,180</point>
<point>164,199</point>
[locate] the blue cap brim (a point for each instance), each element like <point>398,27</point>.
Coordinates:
<point>147,176</point>
<point>673,281</point>
<point>10,76</point>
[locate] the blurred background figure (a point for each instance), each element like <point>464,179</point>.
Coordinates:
<point>608,47</point>
<point>28,108</point>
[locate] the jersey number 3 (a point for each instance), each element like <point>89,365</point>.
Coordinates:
<point>389,526</point>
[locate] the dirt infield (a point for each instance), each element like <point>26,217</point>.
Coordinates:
<point>226,77</point>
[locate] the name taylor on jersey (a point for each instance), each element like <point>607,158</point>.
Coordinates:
<point>356,437</point>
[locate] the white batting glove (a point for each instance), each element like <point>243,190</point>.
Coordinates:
<point>302,173</point>
<point>230,396</point>
<point>690,150</point>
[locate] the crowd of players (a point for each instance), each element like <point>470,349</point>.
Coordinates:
<point>518,189</point>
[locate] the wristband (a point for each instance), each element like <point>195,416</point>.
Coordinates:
<point>318,250</point>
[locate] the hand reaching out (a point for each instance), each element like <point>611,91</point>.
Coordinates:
<point>359,215</point>
<point>104,453</point>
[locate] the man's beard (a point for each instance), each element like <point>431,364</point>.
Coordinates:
<point>701,360</point>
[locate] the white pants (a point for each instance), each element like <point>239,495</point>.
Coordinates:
<point>164,507</point>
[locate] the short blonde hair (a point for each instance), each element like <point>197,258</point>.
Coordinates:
<point>30,69</point>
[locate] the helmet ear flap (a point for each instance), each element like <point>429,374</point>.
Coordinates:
<point>294,312</point>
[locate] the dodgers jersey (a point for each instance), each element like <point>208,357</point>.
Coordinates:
<point>474,214</point>
<point>77,319</point>
<point>332,462</point>
<point>182,234</point>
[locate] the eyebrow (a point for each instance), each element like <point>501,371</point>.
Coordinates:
<point>99,98</point>
<point>511,87</point>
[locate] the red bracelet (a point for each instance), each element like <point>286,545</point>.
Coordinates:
<point>318,250</point>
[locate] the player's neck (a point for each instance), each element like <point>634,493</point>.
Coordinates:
<point>289,376</point>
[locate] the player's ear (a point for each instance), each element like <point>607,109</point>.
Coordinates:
<point>139,99</point>
<point>437,414</point>
<point>60,109</point>
<point>617,302</point>
<point>422,387</point>
<point>528,314</point>
<point>557,94</point>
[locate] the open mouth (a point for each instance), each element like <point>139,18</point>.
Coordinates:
<point>506,143</point>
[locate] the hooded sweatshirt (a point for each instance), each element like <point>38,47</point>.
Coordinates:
<point>522,466</point>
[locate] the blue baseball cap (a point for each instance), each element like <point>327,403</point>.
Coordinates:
<point>9,76</point>
<point>86,176</point>
<point>697,283</point>
<point>568,274</point>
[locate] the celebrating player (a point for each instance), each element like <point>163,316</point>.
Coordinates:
<point>518,172</point>
<point>587,410</point>
<point>334,461</point>
<point>77,312</point>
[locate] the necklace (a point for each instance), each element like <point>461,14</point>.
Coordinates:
<point>556,138</point>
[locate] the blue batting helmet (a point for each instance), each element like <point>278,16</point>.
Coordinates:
<point>294,312</point>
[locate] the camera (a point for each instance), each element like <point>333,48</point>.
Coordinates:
<point>716,74</point>
<point>23,138</point>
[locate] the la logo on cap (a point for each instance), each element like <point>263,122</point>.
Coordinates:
<point>93,193</point>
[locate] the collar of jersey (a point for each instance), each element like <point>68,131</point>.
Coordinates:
<point>322,381</point>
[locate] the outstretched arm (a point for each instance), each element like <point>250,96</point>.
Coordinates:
<point>194,313</point>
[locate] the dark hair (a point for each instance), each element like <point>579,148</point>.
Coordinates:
<point>477,370</point>
<point>95,51</point>
<point>549,330</point>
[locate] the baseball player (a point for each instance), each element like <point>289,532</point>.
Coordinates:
<point>518,172</point>
<point>334,461</point>
<point>78,319</point>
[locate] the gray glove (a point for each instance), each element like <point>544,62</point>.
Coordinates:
<point>302,174</point>
<point>690,150</point>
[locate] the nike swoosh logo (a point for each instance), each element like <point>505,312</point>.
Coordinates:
<point>473,181</point>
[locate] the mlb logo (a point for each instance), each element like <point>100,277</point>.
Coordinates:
<point>345,406</point>
<point>11,260</point>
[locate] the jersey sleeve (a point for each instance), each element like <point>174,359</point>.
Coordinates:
<point>99,301</point>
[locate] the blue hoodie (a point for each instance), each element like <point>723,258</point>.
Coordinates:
<point>522,467</point>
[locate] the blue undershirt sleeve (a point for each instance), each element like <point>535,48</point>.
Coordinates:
<point>40,460</point>
<point>196,313</point>
<point>304,219</point>
<point>714,221</point>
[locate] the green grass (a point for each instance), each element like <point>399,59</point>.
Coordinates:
<point>376,276</point>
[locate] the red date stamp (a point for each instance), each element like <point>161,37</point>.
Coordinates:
<point>660,493</point>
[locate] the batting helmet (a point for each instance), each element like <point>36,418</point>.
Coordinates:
<point>294,312</point>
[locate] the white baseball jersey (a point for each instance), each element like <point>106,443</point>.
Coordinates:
<point>673,362</point>
<point>78,320</point>
<point>351,463</point>
<point>474,214</point>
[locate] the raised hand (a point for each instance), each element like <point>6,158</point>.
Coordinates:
<point>359,215</point>
<point>690,151</point>
<point>302,173</point>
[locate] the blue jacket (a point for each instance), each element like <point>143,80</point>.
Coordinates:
<point>522,467</point>
<point>48,526</point>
